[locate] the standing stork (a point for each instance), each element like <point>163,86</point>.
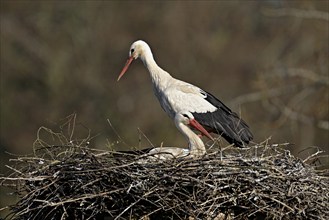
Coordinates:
<point>178,96</point>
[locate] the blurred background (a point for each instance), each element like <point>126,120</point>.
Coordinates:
<point>267,60</point>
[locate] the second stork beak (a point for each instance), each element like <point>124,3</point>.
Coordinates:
<point>200,128</point>
<point>125,68</point>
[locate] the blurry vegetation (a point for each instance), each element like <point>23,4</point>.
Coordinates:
<point>267,60</point>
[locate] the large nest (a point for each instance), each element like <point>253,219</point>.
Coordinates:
<point>71,181</point>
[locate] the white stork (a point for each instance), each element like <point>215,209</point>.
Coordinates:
<point>177,96</point>
<point>196,147</point>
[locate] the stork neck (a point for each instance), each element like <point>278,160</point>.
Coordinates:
<point>158,75</point>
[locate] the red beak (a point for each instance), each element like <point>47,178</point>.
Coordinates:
<point>200,128</point>
<point>125,68</point>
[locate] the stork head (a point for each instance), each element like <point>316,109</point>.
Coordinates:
<point>188,119</point>
<point>138,49</point>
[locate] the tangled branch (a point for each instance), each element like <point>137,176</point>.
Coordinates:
<point>71,181</point>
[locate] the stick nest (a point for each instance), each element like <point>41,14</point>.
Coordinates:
<point>70,181</point>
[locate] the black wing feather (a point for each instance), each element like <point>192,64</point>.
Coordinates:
<point>224,122</point>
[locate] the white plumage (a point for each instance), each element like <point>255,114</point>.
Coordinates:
<point>196,146</point>
<point>178,96</point>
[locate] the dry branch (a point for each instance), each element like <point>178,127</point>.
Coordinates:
<point>70,181</point>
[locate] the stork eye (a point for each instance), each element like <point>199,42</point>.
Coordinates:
<point>185,115</point>
<point>132,50</point>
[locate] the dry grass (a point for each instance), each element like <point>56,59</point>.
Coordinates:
<point>72,181</point>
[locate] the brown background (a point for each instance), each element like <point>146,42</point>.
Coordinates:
<point>266,60</point>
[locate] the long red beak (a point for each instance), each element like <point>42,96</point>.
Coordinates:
<point>125,68</point>
<point>200,128</point>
